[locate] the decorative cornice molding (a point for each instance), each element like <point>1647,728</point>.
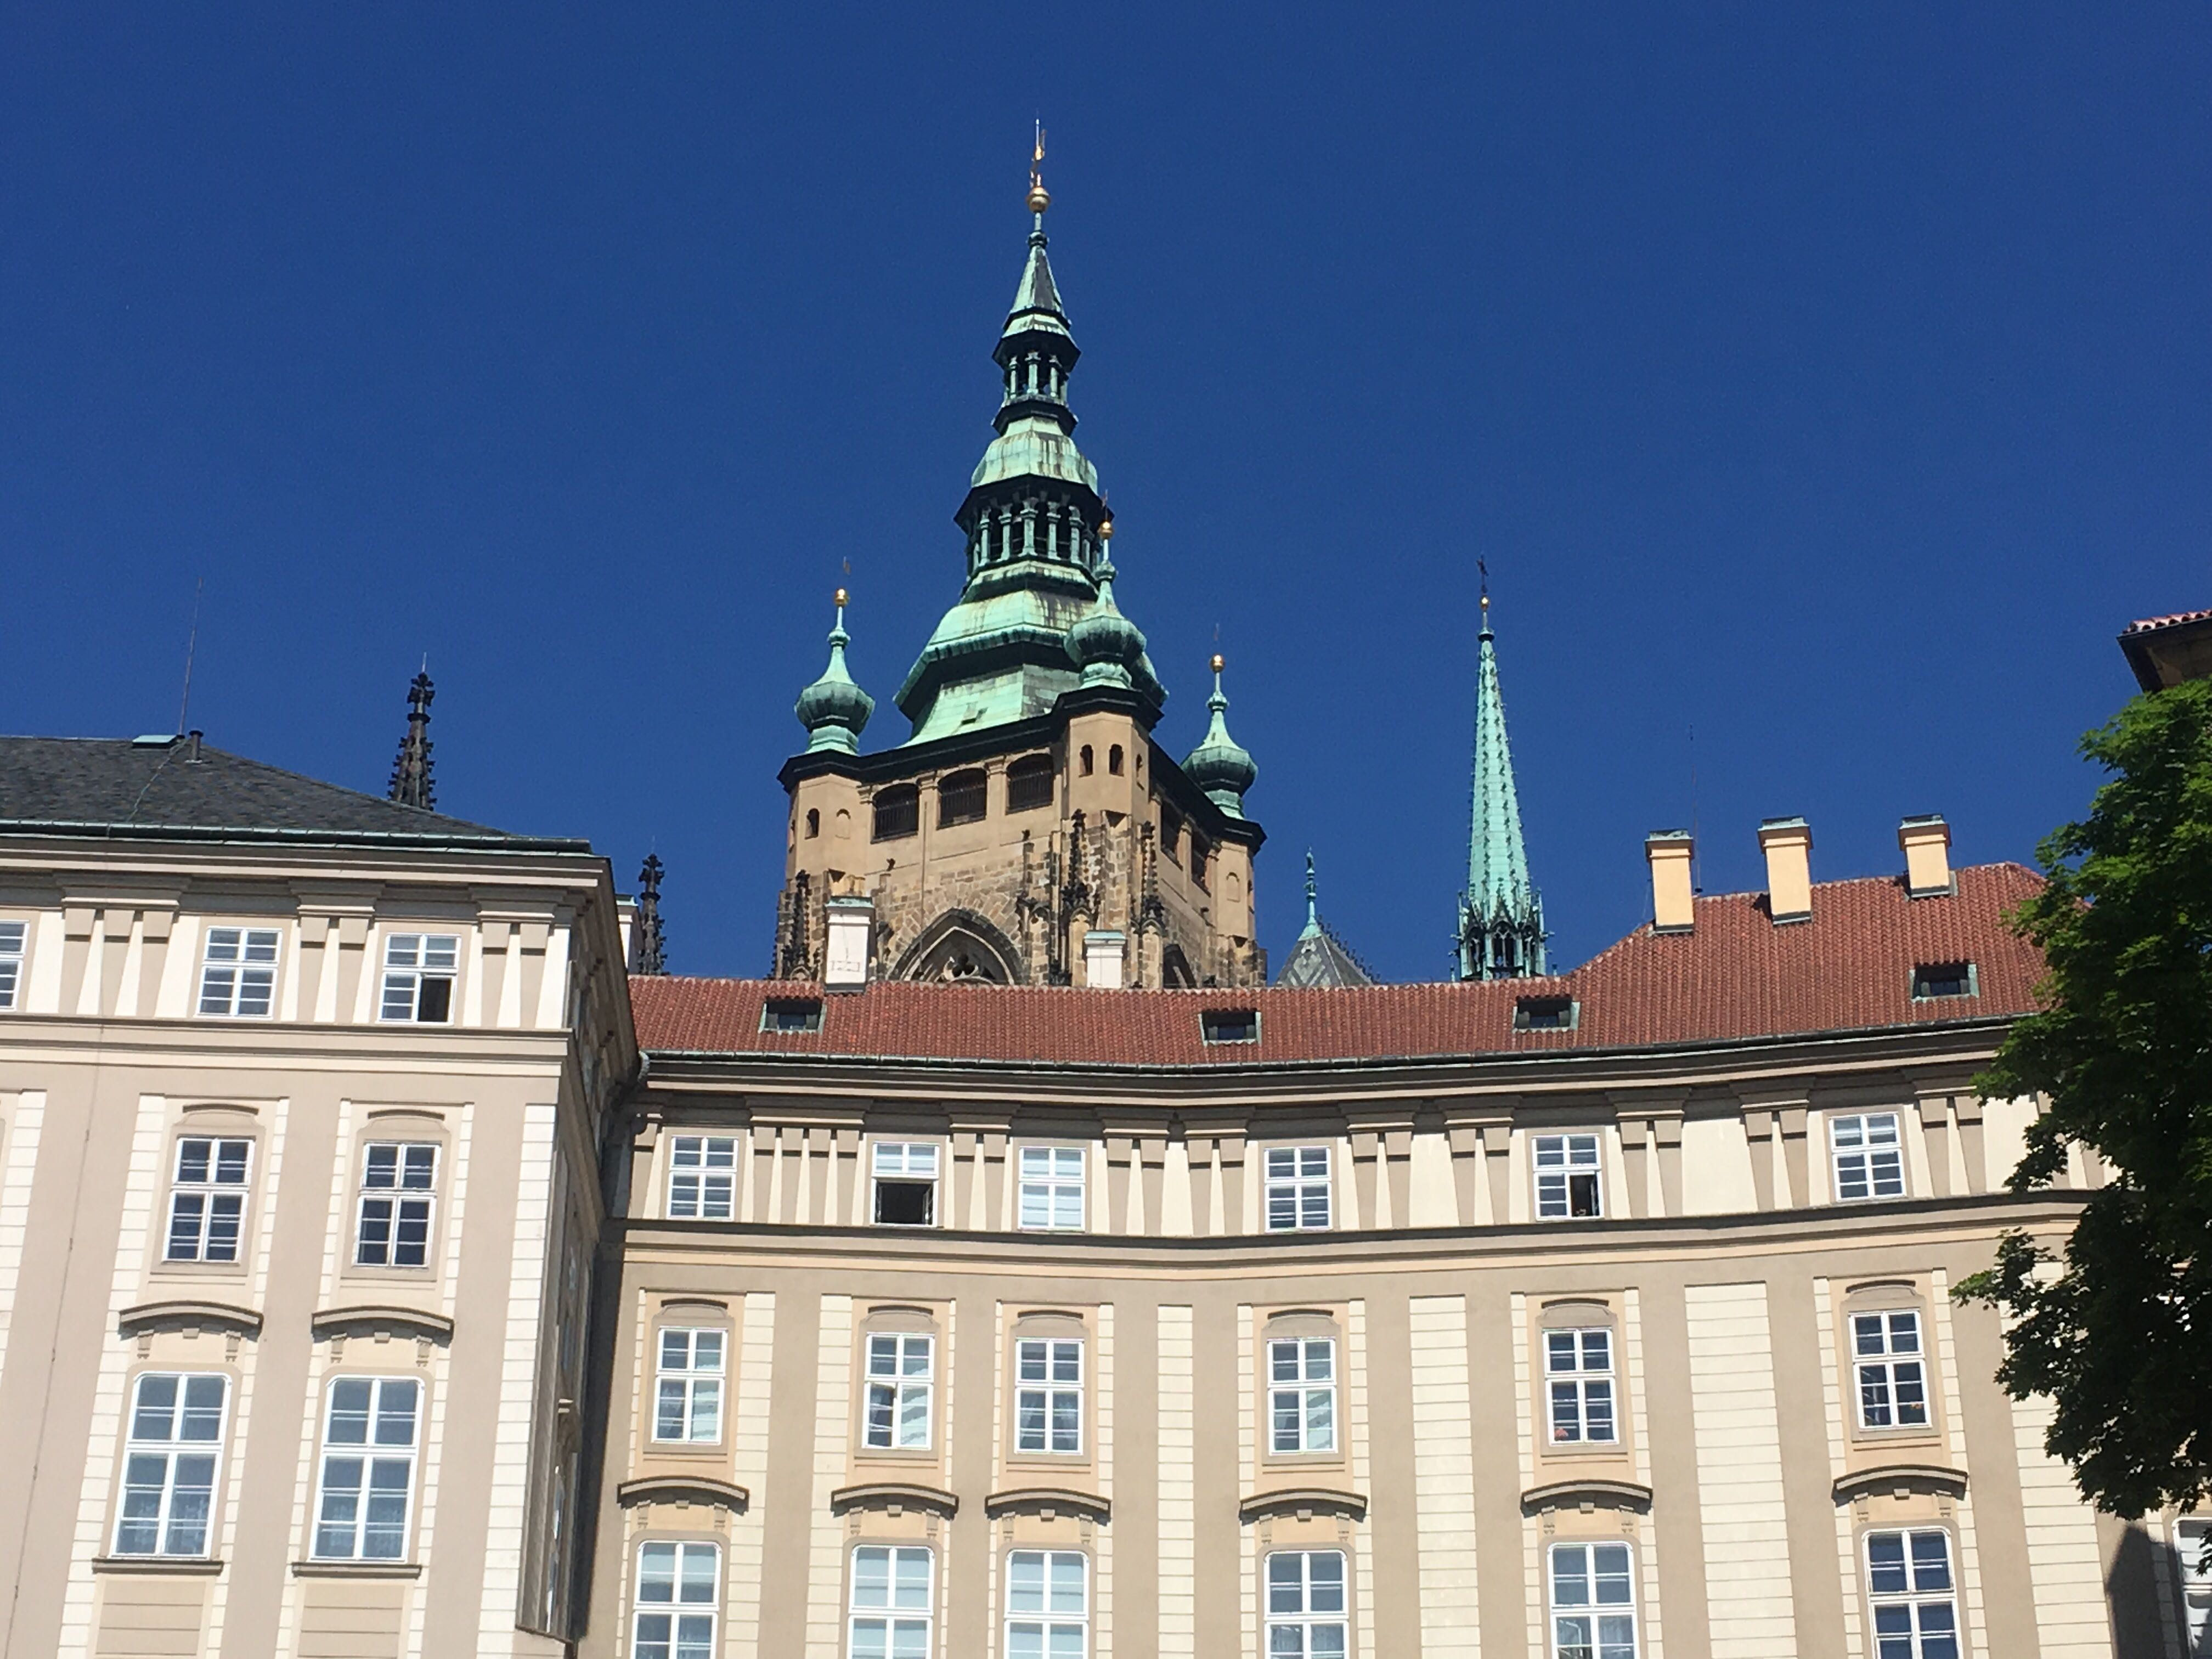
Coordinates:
<point>189,1312</point>
<point>1574,1494</point>
<point>1303,1501</point>
<point>893,1494</point>
<point>381,1318</point>
<point>1893,1477</point>
<point>683,1489</point>
<point>1050,1500</point>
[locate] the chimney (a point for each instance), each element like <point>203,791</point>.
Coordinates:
<point>1787,844</point>
<point>1669,852</point>
<point>852,934</point>
<point>1102,951</point>
<point>1926,842</point>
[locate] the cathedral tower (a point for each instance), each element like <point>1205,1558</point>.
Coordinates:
<point>1501,918</point>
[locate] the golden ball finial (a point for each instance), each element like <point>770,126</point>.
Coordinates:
<point>1106,526</point>
<point>1218,662</point>
<point>1039,197</point>
<point>1486,602</point>
<point>841,599</point>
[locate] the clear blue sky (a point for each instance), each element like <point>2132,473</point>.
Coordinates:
<point>1833,380</point>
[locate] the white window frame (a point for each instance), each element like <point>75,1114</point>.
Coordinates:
<point>1587,1622</point>
<point>1053,1389</point>
<point>1053,1190</point>
<point>684,1623</point>
<point>1296,1602</point>
<point>1913,1599</point>
<point>374,1455</point>
<point>13,937</point>
<point>900,1369</point>
<point>691,1364</point>
<point>177,1453</point>
<point>1890,1378</point>
<point>1038,1617</point>
<point>891,1618</point>
<point>221,1203</point>
<point>702,1177</point>
<point>238,973</point>
<point>2190,1532</point>
<point>1582,1395</point>
<point>404,1202</point>
<point>908,1163</point>
<point>412,962</point>
<point>1561,1163</point>
<point>1302,1378</point>
<point>1299,1196</point>
<point>1862,1155</point>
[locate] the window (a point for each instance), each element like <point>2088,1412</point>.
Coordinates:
<point>1047,1604</point>
<point>1029,783</point>
<point>898,812</point>
<point>1305,1605</point>
<point>1892,1391</point>
<point>1088,764</point>
<point>899,1377</point>
<point>1229,1024</point>
<point>1302,1394</point>
<point>702,1177</point>
<point>1052,1188</point>
<point>1593,1602</point>
<point>1567,1183</point>
<point>962,798</point>
<point>1049,1395</point>
<point>11,961</point>
<point>1170,826</point>
<point>678,1598</point>
<point>238,975</point>
<point>419,978</point>
<point>1113,759</point>
<point>1909,1582</point>
<point>891,1594</point>
<point>2191,1534</point>
<point>1869,1158</point>
<point>1579,1365</point>
<point>688,1402</point>
<point>369,1469</point>
<point>169,1465</point>
<point>788,1015</point>
<point>906,1184</point>
<point>1199,852</point>
<point>1931,980</point>
<point>1297,1188</point>
<point>1545,1014</point>
<point>208,1202</point>
<point>397,1182</point>
<point>813,822</point>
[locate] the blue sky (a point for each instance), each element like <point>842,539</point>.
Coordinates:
<point>1829,380</point>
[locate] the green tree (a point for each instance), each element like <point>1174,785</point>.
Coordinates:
<point>2120,1332</point>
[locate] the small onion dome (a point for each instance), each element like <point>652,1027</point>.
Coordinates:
<point>1218,765</point>
<point>1106,645</point>
<point>835,708</point>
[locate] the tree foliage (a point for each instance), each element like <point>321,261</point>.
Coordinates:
<point>2120,1332</point>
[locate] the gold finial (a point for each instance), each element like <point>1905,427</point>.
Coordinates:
<point>1486,602</point>
<point>1039,198</point>
<point>1218,662</point>
<point>1106,526</point>
<point>841,599</point>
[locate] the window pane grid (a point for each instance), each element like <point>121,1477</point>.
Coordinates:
<point>1297,1195</point>
<point>1593,1602</point>
<point>207,1204</point>
<point>688,1400</point>
<point>1306,1608</point>
<point>1568,1178</point>
<point>397,1182</point>
<point>1302,1394</point>
<point>1579,1365</point>
<point>1047,1604</point>
<point>1892,1385</point>
<point>238,972</point>
<point>1052,1188</point>
<point>1869,1157</point>
<point>418,977</point>
<point>369,1469</point>
<point>702,1177</point>
<point>678,1598</point>
<point>1909,1586</point>
<point>11,961</point>
<point>1048,1396</point>
<point>892,1602</point>
<point>899,1403</point>
<point>169,1464</point>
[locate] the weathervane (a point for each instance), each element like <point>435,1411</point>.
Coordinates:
<point>1039,198</point>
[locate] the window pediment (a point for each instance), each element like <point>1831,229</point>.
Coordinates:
<point>1048,1502</point>
<point>376,1319</point>
<point>892,1497</point>
<point>683,1489</point>
<point>189,1313</point>
<point>1900,1477</point>
<point>1304,1502</point>
<point>1581,1493</point>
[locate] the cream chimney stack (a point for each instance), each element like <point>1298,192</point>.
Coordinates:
<point>1673,909</point>
<point>1787,844</point>
<point>1926,843</point>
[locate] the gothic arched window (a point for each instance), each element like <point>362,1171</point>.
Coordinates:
<point>961,797</point>
<point>1029,783</point>
<point>899,811</point>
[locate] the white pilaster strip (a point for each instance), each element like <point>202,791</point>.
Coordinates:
<point>1443,1479</point>
<point>26,1117</point>
<point>833,1409</point>
<point>2065,1569</point>
<point>1738,1436</point>
<point>749,1441</point>
<point>1178,1579</point>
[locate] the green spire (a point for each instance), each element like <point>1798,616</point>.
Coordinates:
<point>833,708</point>
<point>1501,918</point>
<point>1313,899</point>
<point>1220,765</point>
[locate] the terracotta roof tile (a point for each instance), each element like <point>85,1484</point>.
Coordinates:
<point>2150,624</point>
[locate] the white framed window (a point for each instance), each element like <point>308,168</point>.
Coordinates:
<point>418,977</point>
<point>1302,1394</point>
<point>688,1394</point>
<point>905,1174</point>
<point>1047,1604</point>
<point>207,1200</point>
<point>1049,1395</point>
<point>1569,1183</point>
<point>1578,1367</point>
<point>702,1177</point>
<point>2190,1533</point>
<point>900,1375</point>
<point>1909,1583</point>
<point>11,961</point>
<point>169,1463</point>
<point>1892,1385</point>
<point>1593,1602</point>
<point>678,1597</point>
<point>238,972</point>
<point>894,1587</point>
<point>1297,1188</point>
<point>398,1185</point>
<point>369,1469</point>
<point>1052,1188</point>
<point>1870,1158</point>
<point>1306,1610</point>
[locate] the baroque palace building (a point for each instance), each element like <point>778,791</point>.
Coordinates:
<point>394,1259</point>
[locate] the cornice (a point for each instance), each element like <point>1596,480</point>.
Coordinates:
<point>189,1312</point>
<point>1049,1500</point>
<point>893,1494</point>
<point>1911,1477</point>
<point>683,1489</point>
<point>1574,1494</point>
<point>305,1045</point>
<point>377,1316</point>
<point>1303,1501</point>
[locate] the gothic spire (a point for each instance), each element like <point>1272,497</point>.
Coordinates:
<point>411,773</point>
<point>1318,959</point>
<point>649,944</point>
<point>1501,918</point>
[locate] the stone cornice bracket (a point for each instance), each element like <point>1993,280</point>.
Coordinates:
<point>1046,1502</point>
<point>1304,1503</point>
<point>894,1497</point>
<point>1901,1478</point>
<point>189,1315</point>
<point>683,1489</point>
<point>379,1319</point>
<point>1587,1494</point>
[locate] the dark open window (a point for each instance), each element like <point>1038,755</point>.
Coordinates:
<point>1543,1014</point>
<point>1029,783</point>
<point>792,1014</point>
<point>813,822</point>
<point>899,811</point>
<point>1114,760</point>
<point>1171,832</point>
<point>1199,853</point>
<point>1943,979</point>
<point>1229,1024</point>
<point>962,798</point>
<point>1089,764</point>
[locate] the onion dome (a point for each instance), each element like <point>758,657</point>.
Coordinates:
<point>1106,645</point>
<point>1218,765</point>
<point>833,708</point>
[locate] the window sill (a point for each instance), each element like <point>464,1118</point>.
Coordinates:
<point>687,1450</point>
<point>189,1566</point>
<point>356,1570</point>
<point>1580,1450</point>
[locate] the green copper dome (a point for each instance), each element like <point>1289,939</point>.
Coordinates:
<point>1106,645</point>
<point>833,708</point>
<point>1219,766</point>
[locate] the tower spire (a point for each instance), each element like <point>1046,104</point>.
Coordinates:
<point>1501,917</point>
<point>1220,765</point>
<point>649,944</point>
<point>410,772</point>
<point>834,709</point>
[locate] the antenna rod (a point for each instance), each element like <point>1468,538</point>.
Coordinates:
<point>191,645</point>
<point>1696,886</point>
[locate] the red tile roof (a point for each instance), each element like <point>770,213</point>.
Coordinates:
<point>2149,624</point>
<point>1735,975</point>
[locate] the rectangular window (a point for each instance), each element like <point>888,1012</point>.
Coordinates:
<point>1047,1605</point>
<point>1052,1188</point>
<point>1297,1188</point>
<point>1049,1395</point>
<point>678,1595</point>
<point>169,1464</point>
<point>418,977</point>
<point>1593,1602</point>
<point>369,1469</point>
<point>688,1400</point>
<point>1579,1367</point>
<point>1229,1025</point>
<point>207,1203</point>
<point>397,1183</point>
<point>1943,979</point>
<point>1543,1014</point>
<point>892,1592</point>
<point>238,974</point>
<point>1909,1583</point>
<point>1305,1605</point>
<point>1869,1157</point>
<point>899,1377</point>
<point>1892,1390</point>
<point>906,1184</point>
<point>1568,1184</point>
<point>1302,1394</point>
<point>11,961</point>
<point>702,1177</point>
<point>791,1015</point>
<point>2191,1534</point>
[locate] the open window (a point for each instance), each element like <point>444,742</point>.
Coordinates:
<point>905,1176</point>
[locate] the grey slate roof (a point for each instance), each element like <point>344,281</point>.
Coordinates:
<point>1321,959</point>
<point>115,786</point>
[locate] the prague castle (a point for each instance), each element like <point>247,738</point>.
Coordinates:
<point>395,1260</point>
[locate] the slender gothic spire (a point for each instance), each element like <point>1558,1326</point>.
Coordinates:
<point>411,773</point>
<point>649,944</point>
<point>1501,918</point>
<point>1319,959</point>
